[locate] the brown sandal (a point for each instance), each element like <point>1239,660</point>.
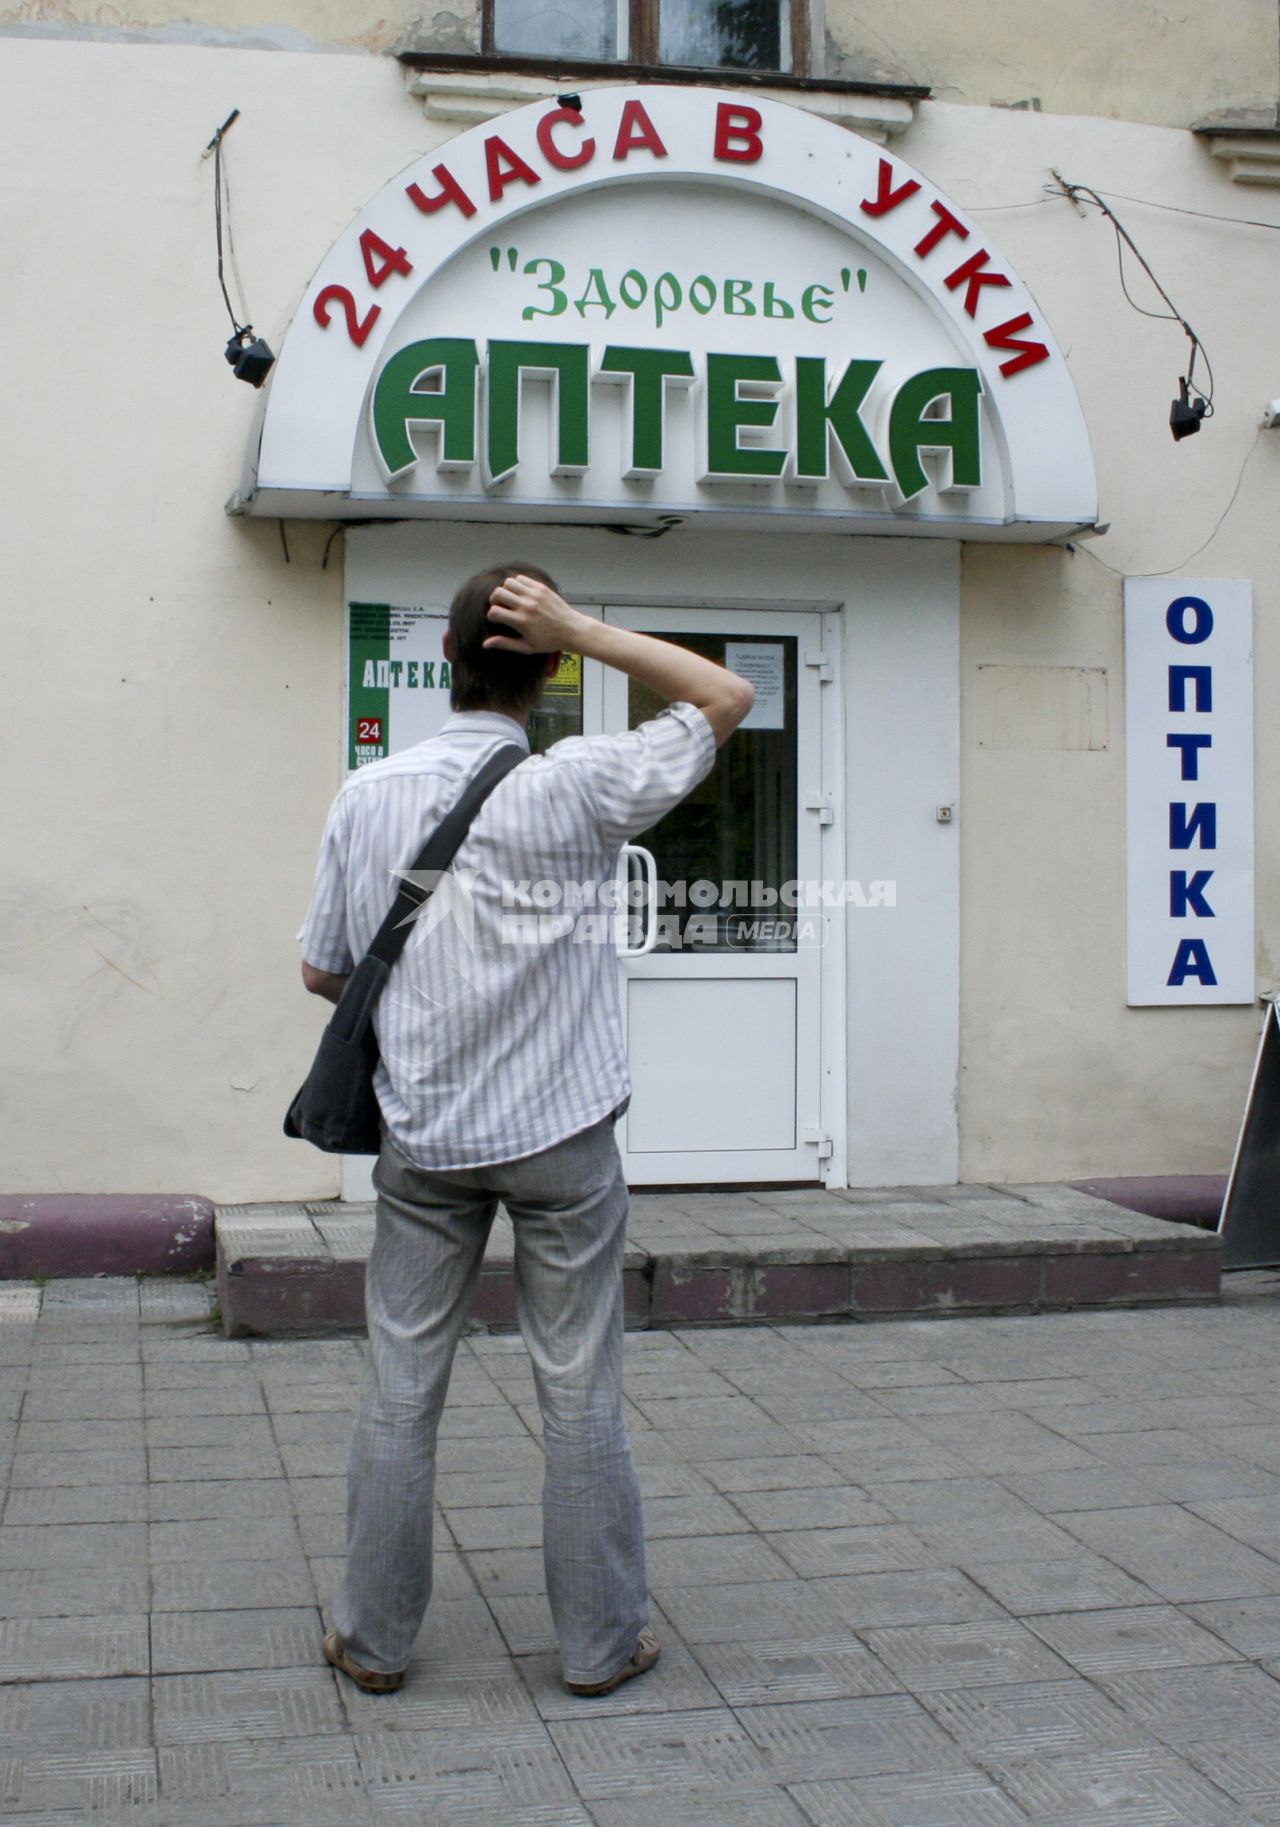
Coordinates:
<point>644,1655</point>
<point>370,1680</point>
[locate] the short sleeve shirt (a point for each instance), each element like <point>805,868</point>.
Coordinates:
<point>500,1027</point>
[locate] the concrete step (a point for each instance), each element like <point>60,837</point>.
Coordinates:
<point>743,1258</point>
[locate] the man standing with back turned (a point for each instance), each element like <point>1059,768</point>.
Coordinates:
<point>502,1074</point>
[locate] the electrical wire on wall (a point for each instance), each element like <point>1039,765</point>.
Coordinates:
<point>248,354</point>
<point>1194,404</point>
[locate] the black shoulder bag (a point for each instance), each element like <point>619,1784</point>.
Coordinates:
<point>336,1108</point>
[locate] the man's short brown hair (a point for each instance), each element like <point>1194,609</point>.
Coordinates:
<point>483,676</point>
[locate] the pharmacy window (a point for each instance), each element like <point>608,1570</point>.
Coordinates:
<point>692,34</point>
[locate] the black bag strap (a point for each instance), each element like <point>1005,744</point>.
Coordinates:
<point>438,852</point>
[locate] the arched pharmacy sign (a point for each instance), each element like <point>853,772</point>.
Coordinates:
<point>674,302</point>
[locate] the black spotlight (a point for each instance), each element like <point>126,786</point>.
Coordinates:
<point>1186,414</point>
<point>253,361</point>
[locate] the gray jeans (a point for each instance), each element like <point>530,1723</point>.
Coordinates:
<point>568,1207</point>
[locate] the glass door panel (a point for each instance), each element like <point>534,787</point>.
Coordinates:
<point>725,852</point>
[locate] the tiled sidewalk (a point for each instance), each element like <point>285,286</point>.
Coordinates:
<point>919,1575</point>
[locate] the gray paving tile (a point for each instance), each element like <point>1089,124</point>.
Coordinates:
<point>1163,1447</point>
<point>1033,1719</point>
<point>923,1595</point>
<point>772,1672</point>
<point>164,1302</point>
<point>45,1404</point>
<point>1085,1488</point>
<point>713,1560</point>
<point>1252,1520</point>
<point>1175,1553</point>
<point>875,1548</point>
<point>725,1807</point>
<point>113,1785</point>
<point>80,1592</point>
<point>471,1490</point>
<point>59,1716</point>
<point>1086,1584</point>
<point>90,1437</point>
<point>92,1503</point>
<point>697,1444</point>
<point>206,1500</point>
<point>231,1585</point>
<point>72,1648</point>
<point>895,1463</point>
<point>202,1429</point>
<point>211,1462</point>
<point>272,1538</point>
<point>1245,1767</point>
<point>241,1396</point>
<point>780,1472</point>
<point>509,1526</point>
<point>820,1507</point>
<point>196,1642</point>
<point>176,1377</point>
<point>296,1427</point>
<point>1149,1788</point>
<point>317,1458</point>
<point>324,1532</point>
<point>784,1610</point>
<point>60,1376</point>
<point>809,1741</point>
<point>930,1657</point>
<point>47,1469</point>
<point>273,1703</point>
<point>1006,1443</point>
<point>504,1571</point>
<point>1250,1625</point>
<point>30,1547</point>
<point>511,1770</point>
<point>247,1782</point>
<point>1230,1700</point>
<point>624,1755</point>
<point>1209,1479</point>
<point>1109,1642</point>
<point>954,1799</point>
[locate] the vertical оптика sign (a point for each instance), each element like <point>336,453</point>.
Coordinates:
<point>1189,790</point>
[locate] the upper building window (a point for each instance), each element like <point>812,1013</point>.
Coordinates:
<point>704,34</point>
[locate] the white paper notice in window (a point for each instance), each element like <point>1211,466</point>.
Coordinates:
<point>762,663</point>
<point>1188,653</point>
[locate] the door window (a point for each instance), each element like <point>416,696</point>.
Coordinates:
<point>726,854</point>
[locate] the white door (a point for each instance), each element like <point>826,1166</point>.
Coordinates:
<point>723,1015</point>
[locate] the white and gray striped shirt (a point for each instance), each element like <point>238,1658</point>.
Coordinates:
<point>493,1049</point>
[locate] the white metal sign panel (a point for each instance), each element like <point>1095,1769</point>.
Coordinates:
<point>672,302</point>
<point>1189,776</point>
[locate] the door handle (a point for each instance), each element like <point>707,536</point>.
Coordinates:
<point>650,868</point>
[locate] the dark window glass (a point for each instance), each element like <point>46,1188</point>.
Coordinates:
<point>739,824</point>
<point>729,34</point>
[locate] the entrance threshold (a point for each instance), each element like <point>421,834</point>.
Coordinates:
<point>759,1258</point>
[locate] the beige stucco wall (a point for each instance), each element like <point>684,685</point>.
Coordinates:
<point>172,683</point>
<point>1058,1077</point>
<point>1172,65</point>
<point>1165,64</point>
<point>173,686</point>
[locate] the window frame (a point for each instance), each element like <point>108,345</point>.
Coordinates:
<point>642,45</point>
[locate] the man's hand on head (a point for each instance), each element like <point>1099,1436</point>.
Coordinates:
<point>534,617</point>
